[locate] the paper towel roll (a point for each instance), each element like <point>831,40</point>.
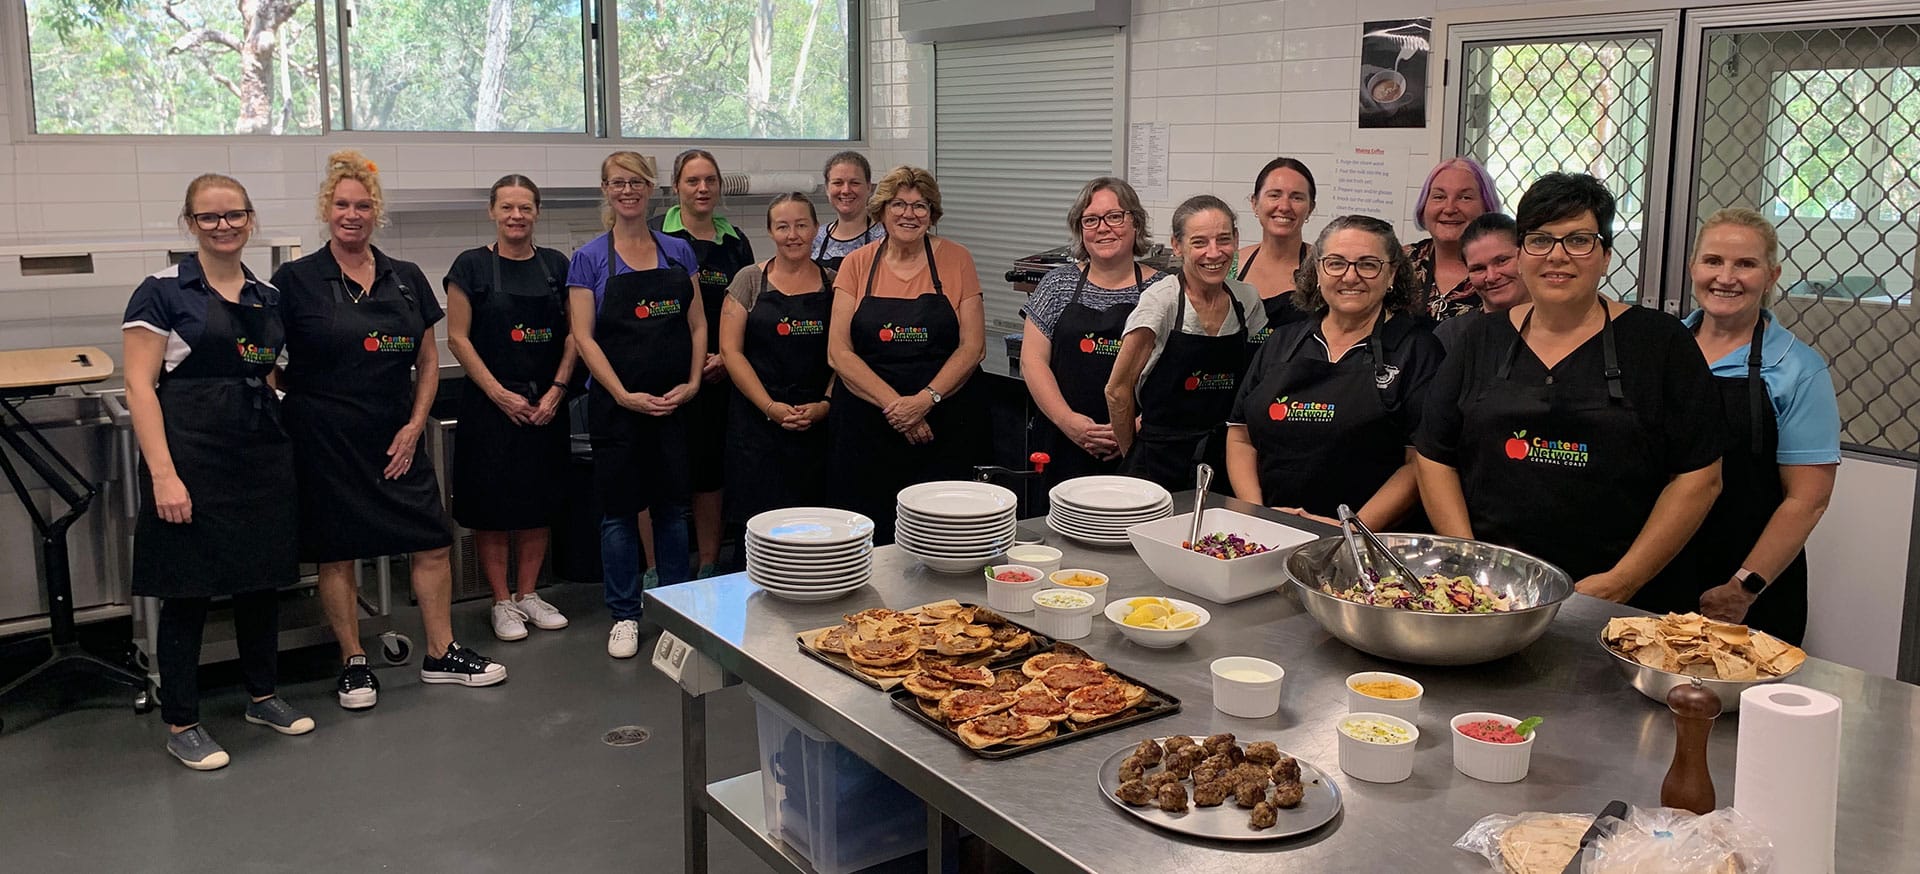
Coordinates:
<point>1786,774</point>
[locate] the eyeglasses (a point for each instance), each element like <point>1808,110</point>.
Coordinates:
<point>238,218</point>
<point>1577,243</point>
<point>629,185</point>
<point>1116,220</point>
<point>909,207</point>
<point>1368,268</point>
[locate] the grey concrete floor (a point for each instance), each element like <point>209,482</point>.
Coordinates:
<point>435,779</point>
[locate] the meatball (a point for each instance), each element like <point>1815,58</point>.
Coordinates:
<point>1179,742</point>
<point>1287,770</point>
<point>1218,763</point>
<point>1264,816</point>
<point>1181,764</point>
<point>1131,768</point>
<point>1247,772</point>
<point>1149,752</point>
<point>1218,743</point>
<point>1233,754</point>
<point>1263,752</point>
<point>1211,794</point>
<point>1157,780</point>
<point>1171,797</point>
<point>1250,793</point>
<point>1135,793</point>
<point>1289,794</point>
<point>1206,772</point>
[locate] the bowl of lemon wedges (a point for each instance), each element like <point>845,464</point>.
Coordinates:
<point>1159,623</point>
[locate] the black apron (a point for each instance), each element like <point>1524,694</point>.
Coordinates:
<point>1279,308</point>
<point>640,461</point>
<point>905,341</point>
<point>1332,433</point>
<point>1750,492</point>
<point>353,393</point>
<point>1184,403</point>
<point>832,262</point>
<point>769,467</point>
<point>1567,472</point>
<point>706,414</point>
<point>229,448</point>
<point>508,476</point>
<point>1086,342</point>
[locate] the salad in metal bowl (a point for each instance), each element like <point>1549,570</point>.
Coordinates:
<point>1433,593</point>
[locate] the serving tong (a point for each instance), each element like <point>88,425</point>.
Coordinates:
<point>1365,560</point>
<point>1202,480</point>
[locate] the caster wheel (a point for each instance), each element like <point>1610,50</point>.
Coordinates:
<point>144,702</point>
<point>396,648</point>
<point>140,660</point>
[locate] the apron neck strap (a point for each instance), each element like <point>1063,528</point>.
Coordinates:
<point>1609,353</point>
<point>1251,257</point>
<point>880,260</point>
<point>1756,387</point>
<point>499,282</point>
<point>1081,283</point>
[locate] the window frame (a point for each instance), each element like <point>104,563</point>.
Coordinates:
<point>1876,155</point>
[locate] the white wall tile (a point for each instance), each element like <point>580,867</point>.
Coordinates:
<point>500,160</point>
<point>1321,13</point>
<point>1250,48</point>
<point>1261,108</point>
<point>1184,23</point>
<point>1342,41</point>
<point>1248,17</point>
<point>183,159</point>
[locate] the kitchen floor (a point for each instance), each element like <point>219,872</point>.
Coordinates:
<point>436,778</point>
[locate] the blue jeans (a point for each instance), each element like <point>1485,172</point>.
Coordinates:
<point>620,556</point>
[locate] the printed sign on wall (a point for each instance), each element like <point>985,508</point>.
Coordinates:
<point>1393,72</point>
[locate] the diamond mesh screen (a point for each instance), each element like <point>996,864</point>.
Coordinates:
<point>1580,105</point>
<point>1816,128</point>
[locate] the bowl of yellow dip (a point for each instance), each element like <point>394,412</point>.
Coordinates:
<point>1383,692</point>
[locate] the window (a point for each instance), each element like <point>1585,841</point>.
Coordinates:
<point>734,69</point>
<point>481,65</point>
<point>1842,145</point>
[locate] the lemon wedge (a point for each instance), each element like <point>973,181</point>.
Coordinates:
<point>1137,603</point>
<point>1183,619</point>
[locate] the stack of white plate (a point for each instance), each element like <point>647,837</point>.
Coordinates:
<point>1097,510</point>
<point>956,526</point>
<point>809,553</point>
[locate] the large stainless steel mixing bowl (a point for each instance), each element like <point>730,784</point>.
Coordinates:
<point>1536,587</point>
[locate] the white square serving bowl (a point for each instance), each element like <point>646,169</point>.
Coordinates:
<point>1221,581</point>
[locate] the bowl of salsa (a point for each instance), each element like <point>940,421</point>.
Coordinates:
<point>1493,747</point>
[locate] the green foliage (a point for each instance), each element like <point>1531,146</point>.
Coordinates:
<point>683,70</point>
<point>416,65</point>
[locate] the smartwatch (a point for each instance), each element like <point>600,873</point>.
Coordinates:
<point>1753,583</point>
<point>937,396</point>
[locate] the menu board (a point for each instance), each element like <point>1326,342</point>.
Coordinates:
<point>1366,182</point>
<point>1147,144</point>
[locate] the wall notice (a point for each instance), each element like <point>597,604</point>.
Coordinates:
<point>1393,72</point>
<point>1365,182</point>
<point>1147,144</point>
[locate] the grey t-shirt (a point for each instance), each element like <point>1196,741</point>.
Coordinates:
<point>752,279</point>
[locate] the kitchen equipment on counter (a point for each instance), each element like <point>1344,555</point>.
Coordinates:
<point>955,526</point>
<point>1161,545</point>
<point>809,553</point>
<point>1536,587</point>
<point>1246,687</point>
<point>1028,271</point>
<point>1655,683</point>
<point>1228,822</point>
<point>1097,510</point>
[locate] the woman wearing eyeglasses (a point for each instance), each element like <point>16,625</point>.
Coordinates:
<point>1326,413</point>
<point>1282,199</point>
<point>907,333</point>
<point>1575,428</point>
<point>1084,306</point>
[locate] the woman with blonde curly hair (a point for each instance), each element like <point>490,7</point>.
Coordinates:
<point>359,326</point>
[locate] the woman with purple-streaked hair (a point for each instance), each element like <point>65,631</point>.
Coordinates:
<point>1457,191</point>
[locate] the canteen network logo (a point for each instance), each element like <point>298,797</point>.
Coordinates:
<point>1198,381</point>
<point>1285,410</point>
<point>254,353</point>
<point>649,309</point>
<point>524,334</point>
<point>1108,346</point>
<point>1540,450</point>
<point>892,333</point>
<point>790,327</point>
<point>381,342</point>
<point>1260,336</point>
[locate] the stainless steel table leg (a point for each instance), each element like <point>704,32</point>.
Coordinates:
<point>693,769</point>
<point>943,843</point>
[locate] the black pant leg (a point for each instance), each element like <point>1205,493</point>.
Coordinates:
<point>182,621</point>
<point>256,625</point>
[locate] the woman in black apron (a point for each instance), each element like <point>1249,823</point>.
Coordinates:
<point>1086,306</point>
<point>1283,198</point>
<point>1582,431</point>
<point>636,319</point>
<point>908,331</point>
<point>722,251</point>
<point>1783,433</point>
<point>359,326</point>
<point>507,324</point>
<point>1184,352</point>
<point>848,179</point>
<point>1456,191</point>
<point>775,345</point>
<point>1326,414</point>
<point>216,470</point>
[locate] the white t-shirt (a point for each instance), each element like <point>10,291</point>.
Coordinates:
<point>1156,313</point>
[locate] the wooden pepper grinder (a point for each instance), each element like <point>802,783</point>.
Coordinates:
<point>1689,785</point>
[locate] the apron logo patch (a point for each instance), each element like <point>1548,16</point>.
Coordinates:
<point>1261,335</point>
<point>715,277</point>
<point>378,342</point>
<point>648,309</point>
<point>1540,450</point>
<point>1385,376</point>
<point>1284,410</point>
<point>254,353</point>
<point>1107,346</point>
<point>892,333</point>
<point>1209,381</point>
<point>524,334</point>
<point>803,327</point>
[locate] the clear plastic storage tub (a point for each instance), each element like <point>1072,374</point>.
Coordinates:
<point>828,804</point>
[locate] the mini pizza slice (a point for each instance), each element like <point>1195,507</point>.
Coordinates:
<point>963,704</point>
<point>885,652</point>
<point>832,640</point>
<point>927,686</point>
<point>961,644</point>
<point>1009,680</point>
<point>1101,700</point>
<point>888,672</point>
<point>1049,733</point>
<point>1068,677</point>
<point>1046,661</point>
<point>929,639</point>
<point>961,675</point>
<point>998,728</point>
<point>1034,699</point>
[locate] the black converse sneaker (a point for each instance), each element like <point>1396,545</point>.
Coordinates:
<point>463,666</point>
<point>358,688</point>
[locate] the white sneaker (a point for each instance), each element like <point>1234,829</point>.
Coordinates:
<point>509,622</point>
<point>543,615</point>
<point>623,642</point>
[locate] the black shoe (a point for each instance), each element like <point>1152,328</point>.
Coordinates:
<point>358,688</point>
<point>463,666</point>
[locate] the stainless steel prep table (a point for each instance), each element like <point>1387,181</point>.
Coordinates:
<point>1601,740</point>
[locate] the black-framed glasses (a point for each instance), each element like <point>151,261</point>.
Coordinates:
<point>1116,220</point>
<point>629,185</point>
<point>238,218</point>
<point>909,207</point>
<point>1368,268</point>
<point>1577,243</point>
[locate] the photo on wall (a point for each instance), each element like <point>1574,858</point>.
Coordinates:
<point>1393,72</point>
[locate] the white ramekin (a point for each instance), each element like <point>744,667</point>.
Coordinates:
<point>1098,592</point>
<point>1405,708</point>
<point>1063,623</point>
<point>1377,763</point>
<point>1046,558</point>
<point>1013,597</point>
<point>1485,760</point>
<point>1245,698</point>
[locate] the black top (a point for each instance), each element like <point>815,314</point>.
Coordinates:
<point>720,259</point>
<point>173,303</point>
<point>308,285</point>
<point>1410,350</point>
<point>1665,380</point>
<point>473,272</point>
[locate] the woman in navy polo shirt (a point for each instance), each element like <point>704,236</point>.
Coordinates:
<point>216,470</point>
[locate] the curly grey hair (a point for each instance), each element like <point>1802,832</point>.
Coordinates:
<point>1307,295</point>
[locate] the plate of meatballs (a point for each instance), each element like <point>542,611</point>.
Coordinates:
<point>1216,787</point>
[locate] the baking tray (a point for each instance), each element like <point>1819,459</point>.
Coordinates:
<point>1228,822</point>
<point>1156,705</point>
<point>1041,643</point>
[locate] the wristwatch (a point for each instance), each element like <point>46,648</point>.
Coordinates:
<point>1753,583</point>
<point>937,396</point>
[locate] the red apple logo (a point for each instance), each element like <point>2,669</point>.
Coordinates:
<point>372,343</point>
<point>642,311</point>
<point>519,333</point>
<point>1193,382</point>
<point>1517,446</point>
<point>1086,345</point>
<point>1277,411</point>
<point>783,329</point>
<point>886,334</point>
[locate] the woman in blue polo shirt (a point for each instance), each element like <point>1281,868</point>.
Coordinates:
<point>217,516</point>
<point>1783,424</point>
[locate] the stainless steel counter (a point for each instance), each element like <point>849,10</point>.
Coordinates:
<point>1601,740</point>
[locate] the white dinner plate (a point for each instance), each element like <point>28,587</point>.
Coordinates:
<point>977,551</point>
<point>967,535</point>
<point>1109,492</point>
<point>779,581</point>
<point>1097,529</point>
<point>810,557</point>
<point>811,594</point>
<point>905,514</point>
<point>957,499</point>
<point>824,575</point>
<point>955,547</point>
<point>1091,538</point>
<point>1122,521</point>
<point>819,526</point>
<point>946,565</point>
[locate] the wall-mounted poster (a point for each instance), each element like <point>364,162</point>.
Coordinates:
<point>1393,72</point>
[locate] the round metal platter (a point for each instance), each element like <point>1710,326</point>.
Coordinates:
<point>1228,822</point>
